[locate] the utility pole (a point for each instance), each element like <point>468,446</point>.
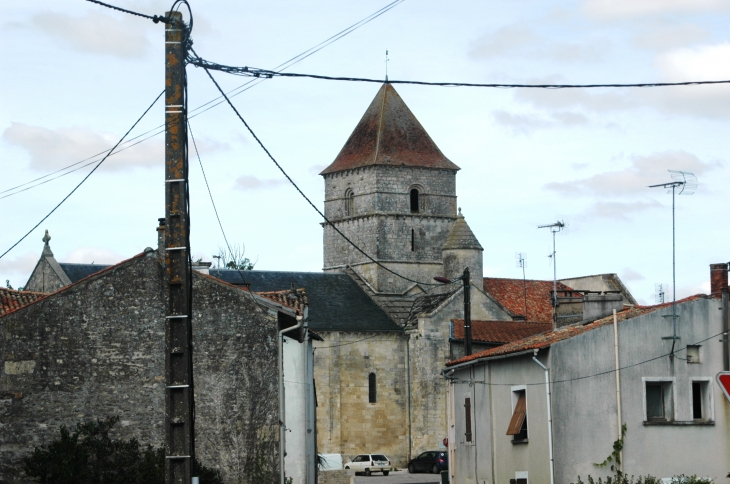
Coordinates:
<point>179,431</point>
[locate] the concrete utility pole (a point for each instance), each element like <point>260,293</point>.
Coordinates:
<point>179,441</point>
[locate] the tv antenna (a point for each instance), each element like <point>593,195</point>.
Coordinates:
<point>386,65</point>
<point>683,183</point>
<point>659,293</point>
<point>554,228</point>
<point>520,262</point>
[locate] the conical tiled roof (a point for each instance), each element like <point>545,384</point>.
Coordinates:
<point>461,236</point>
<point>389,134</point>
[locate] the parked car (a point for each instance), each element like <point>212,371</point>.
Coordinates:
<point>369,463</point>
<point>430,461</point>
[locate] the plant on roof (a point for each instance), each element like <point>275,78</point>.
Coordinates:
<point>234,258</point>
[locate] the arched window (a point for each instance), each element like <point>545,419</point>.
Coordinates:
<point>372,394</point>
<point>415,206</point>
<point>349,203</point>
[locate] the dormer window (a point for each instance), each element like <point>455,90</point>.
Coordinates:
<point>349,203</point>
<point>415,204</point>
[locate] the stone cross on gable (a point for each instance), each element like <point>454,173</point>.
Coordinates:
<point>47,248</point>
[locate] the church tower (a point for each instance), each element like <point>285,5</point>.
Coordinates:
<point>393,193</point>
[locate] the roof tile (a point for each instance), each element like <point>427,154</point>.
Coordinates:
<point>500,332</point>
<point>516,295</point>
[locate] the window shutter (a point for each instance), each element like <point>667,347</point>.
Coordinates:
<point>518,416</point>
<point>467,411</point>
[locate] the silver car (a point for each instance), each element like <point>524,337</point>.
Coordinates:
<point>369,463</point>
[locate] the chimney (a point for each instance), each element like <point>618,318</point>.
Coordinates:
<point>718,278</point>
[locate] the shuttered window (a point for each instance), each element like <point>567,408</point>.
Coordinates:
<point>518,423</point>
<point>372,394</point>
<point>467,413</point>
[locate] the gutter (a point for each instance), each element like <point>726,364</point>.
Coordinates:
<point>549,415</point>
<point>489,358</point>
<point>282,416</point>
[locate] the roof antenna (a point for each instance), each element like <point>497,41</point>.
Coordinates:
<point>685,183</point>
<point>520,260</point>
<point>386,66</point>
<point>554,228</point>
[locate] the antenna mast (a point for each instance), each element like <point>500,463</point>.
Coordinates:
<point>686,182</point>
<point>520,257</point>
<point>554,228</point>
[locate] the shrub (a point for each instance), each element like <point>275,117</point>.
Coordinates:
<point>89,455</point>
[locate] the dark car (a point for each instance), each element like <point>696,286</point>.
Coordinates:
<point>430,461</point>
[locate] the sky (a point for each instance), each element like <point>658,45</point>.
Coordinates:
<point>77,75</point>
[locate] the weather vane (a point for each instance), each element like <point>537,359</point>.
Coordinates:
<point>386,66</point>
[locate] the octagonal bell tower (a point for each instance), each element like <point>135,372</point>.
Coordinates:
<point>393,193</point>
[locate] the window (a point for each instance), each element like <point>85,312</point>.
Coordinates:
<point>693,354</point>
<point>659,400</point>
<point>372,394</point>
<point>701,400</point>
<point>413,240</point>
<point>467,422</point>
<point>415,206</point>
<point>349,203</point>
<point>518,424</point>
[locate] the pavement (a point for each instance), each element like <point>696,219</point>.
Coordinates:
<point>398,477</point>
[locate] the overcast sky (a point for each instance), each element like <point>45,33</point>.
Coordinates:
<point>77,75</point>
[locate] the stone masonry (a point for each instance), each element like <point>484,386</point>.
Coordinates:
<point>96,349</point>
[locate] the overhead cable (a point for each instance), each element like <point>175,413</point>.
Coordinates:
<point>286,175</point>
<point>154,18</point>
<point>268,74</point>
<point>232,93</point>
<point>85,178</point>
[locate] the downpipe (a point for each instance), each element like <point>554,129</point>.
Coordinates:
<point>282,413</point>
<point>549,415</point>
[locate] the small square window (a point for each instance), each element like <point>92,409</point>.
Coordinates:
<point>659,401</point>
<point>693,354</point>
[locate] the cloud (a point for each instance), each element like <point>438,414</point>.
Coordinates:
<point>316,169</point>
<point>524,123</point>
<point>97,255</point>
<point>618,210</point>
<point>669,36</point>
<point>252,183</point>
<point>690,290</point>
<point>519,40</point>
<point>633,180</point>
<point>96,33</point>
<point>620,9</point>
<point>18,269</point>
<point>51,149</point>
<point>629,275</point>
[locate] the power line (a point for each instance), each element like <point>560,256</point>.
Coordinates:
<point>607,372</point>
<point>233,92</point>
<point>286,175</point>
<point>86,177</point>
<point>154,18</point>
<point>268,74</point>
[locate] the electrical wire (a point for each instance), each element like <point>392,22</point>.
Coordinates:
<point>85,178</point>
<point>154,18</point>
<point>220,224</point>
<point>268,74</point>
<point>607,372</point>
<point>286,175</point>
<point>233,92</point>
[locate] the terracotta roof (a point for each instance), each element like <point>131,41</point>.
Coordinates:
<point>10,300</point>
<point>546,339</point>
<point>500,331</point>
<point>460,236</point>
<point>510,293</point>
<point>291,298</point>
<point>389,134</point>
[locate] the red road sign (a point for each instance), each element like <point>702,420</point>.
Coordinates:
<point>723,379</point>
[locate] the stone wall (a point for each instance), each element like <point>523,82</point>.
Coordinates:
<point>96,349</point>
<point>334,477</point>
<point>347,423</point>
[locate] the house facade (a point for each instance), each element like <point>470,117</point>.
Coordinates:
<point>506,423</point>
<point>95,348</point>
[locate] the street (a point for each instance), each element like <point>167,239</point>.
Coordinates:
<point>398,477</point>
